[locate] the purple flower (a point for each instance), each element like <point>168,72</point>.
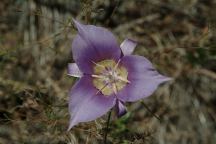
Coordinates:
<point>109,74</point>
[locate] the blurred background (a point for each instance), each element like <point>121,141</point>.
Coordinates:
<point>178,36</point>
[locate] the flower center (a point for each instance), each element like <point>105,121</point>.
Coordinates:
<point>109,77</point>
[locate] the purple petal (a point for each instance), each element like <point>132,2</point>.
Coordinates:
<point>128,46</point>
<point>143,77</point>
<point>93,44</point>
<point>73,70</point>
<point>121,109</point>
<point>85,105</point>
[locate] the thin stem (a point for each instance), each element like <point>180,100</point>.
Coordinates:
<point>149,110</point>
<point>107,127</point>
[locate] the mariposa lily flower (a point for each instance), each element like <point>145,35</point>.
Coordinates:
<point>109,74</point>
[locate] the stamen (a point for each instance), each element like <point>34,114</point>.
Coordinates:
<point>100,90</point>
<point>123,79</point>
<point>98,76</point>
<point>114,88</point>
<point>116,65</point>
<point>98,64</point>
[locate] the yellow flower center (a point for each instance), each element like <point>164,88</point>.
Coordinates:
<point>109,77</point>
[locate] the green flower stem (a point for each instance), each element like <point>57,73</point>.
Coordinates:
<point>107,127</point>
